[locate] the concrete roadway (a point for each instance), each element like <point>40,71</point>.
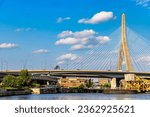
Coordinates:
<point>82,73</point>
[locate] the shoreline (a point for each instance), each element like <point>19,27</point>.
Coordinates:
<point>46,90</point>
<point>65,91</point>
<point>14,93</point>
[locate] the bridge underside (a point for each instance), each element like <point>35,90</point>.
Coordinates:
<point>96,74</point>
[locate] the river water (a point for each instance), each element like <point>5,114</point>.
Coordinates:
<point>79,96</point>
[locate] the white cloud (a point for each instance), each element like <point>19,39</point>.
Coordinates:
<point>7,45</point>
<point>84,39</point>
<point>80,46</point>
<point>23,29</point>
<point>40,51</point>
<point>65,34</point>
<point>67,41</point>
<point>144,3</point>
<point>84,33</point>
<point>71,38</point>
<point>60,62</point>
<point>103,39</point>
<point>68,56</point>
<point>78,34</point>
<point>148,64</point>
<point>145,59</point>
<point>60,19</point>
<point>115,51</point>
<point>100,17</point>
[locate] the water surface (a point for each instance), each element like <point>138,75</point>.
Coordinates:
<point>79,96</point>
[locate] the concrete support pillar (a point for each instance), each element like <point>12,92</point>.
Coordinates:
<point>47,83</point>
<point>113,83</point>
<point>129,77</point>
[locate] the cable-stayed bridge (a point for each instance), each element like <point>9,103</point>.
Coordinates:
<point>126,56</point>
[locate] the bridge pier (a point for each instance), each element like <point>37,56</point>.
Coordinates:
<point>47,83</point>
<point>115,83</point>
<point>129,77</point>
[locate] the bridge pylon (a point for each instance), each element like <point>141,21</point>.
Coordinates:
<point>124,50</point>
<point>124,54</point>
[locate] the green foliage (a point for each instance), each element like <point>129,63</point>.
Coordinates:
<point>35,85</point>
<point>9,81</point>
<point>108,85</point>
<point>82,86</point>
<point>24,79</point>
<point>89,84</point>
<point>12,89</point>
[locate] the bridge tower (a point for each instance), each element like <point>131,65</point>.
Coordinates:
<point>123,55</point>
<point>124,50</point>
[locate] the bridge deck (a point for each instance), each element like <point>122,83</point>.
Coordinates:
<point>81,73</point>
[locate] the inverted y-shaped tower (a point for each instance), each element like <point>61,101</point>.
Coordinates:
<point>124,50</point>
<point>123,54</point>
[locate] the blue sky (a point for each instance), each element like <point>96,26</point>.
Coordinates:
<point>32,31</point>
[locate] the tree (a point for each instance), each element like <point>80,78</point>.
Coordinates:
<point>24,79</point>
<point>9,81</point>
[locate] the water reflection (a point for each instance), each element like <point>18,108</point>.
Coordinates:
<point>80,96</point>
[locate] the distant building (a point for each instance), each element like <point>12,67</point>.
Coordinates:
<point>72,82</point>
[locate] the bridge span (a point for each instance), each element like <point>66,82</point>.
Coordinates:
<point>81,73</point>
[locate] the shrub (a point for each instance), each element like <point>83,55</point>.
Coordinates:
<point>82,86</point>
<point>35,85</point>
<point>108,85</point>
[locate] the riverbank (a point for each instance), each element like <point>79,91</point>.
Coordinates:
<point>48,90</point>
<point>14,93</point>
<point>120,91</point>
